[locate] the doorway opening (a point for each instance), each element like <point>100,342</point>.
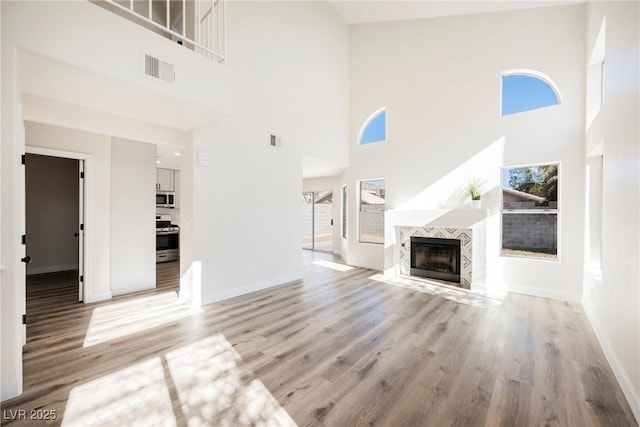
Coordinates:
<point>54,216</point>
<point>317,219</point>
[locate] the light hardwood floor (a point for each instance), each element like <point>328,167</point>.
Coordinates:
<point>339,348</point>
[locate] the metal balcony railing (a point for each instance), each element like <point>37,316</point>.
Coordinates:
<point>196,24</point>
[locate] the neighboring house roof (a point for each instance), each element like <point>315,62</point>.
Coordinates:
<point>368,186</point>
<point>327,198</point>
<point>369,198</point>
<point>523,195</point>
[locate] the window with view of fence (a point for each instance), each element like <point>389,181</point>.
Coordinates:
<point>371,211</point>
<point>530,211</point>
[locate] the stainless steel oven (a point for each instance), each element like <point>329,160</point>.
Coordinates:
<point>167,239</point>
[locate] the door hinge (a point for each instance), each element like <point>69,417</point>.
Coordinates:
<point>23,159</point>
<point>81,227</point>
<point>24,239</point>
<point>82,278</point>
<point>24,319</point>
<point>81,175</point>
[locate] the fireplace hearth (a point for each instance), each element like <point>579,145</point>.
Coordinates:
<point>435,258</point>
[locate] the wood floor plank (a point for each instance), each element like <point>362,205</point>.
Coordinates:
<point>344,347</point>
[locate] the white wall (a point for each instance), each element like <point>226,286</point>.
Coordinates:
<point>613,301</point>
<point>52,213</point>
<point>332,183</point>
<point>95,60</point>
<point>133,210</point>
<point>48,111</point>
<point>13,272</point>
<point>440,82</point>
<point>246,219</point>
<point>190,284</point>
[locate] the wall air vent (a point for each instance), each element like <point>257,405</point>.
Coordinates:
<point>158,69</point>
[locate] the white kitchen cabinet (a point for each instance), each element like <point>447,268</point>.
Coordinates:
<point>165,180</point>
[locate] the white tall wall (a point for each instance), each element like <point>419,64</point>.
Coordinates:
<point>13,271</point>
<point>52,213</point>
<point>290,63</point>
<point>189,281</point>
<point>133,210</point>
<point>440,82</point>
<point>95,60</point>
<point>612,301</point>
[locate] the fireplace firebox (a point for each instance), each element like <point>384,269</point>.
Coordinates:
<point>435,258</point>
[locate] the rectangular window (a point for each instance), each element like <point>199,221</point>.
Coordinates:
<point>344,212</point>
<point>530,211</point>
<point>371,211</point>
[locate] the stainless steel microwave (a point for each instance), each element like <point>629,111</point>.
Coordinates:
<point>166,200</point>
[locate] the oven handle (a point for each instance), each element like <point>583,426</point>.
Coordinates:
<point>164,233</point>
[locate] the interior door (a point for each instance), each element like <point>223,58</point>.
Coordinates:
<point>71,205</point>
<point>24,259</point>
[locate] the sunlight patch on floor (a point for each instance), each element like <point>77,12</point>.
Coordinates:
<point>132,316</point>
<point>462,296</point>
<point>332,265</point>
<point>137,395</point>
<point>214,389</point>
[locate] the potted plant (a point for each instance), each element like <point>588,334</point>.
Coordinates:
<point>475,191</point>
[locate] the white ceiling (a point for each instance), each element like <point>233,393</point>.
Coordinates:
<point>367,11</point>
<point>166,157</point>
<point>313,167</point>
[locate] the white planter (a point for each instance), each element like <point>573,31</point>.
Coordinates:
<point>476,204</point>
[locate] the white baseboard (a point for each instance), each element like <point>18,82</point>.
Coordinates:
<point>51,269</point>
<point>366,265</point>
<point>10,389</point>
<point>544,293</point>
<point>97,297</point>
<point>132,289</point>
<point>253,287</point>
<point>625,383</point>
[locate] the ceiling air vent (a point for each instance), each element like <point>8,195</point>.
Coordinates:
<point>158,69</point>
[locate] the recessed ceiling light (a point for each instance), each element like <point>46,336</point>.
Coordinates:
<point>157,162</point>
<point>177,153</point>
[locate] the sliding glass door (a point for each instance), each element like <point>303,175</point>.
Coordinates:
<point>317,211</point>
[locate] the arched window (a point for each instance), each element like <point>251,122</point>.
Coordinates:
<point>526,90</point>
<point>374,128</point>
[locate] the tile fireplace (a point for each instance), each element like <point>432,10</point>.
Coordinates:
<point>435,258</point>
<point>459,271</point>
